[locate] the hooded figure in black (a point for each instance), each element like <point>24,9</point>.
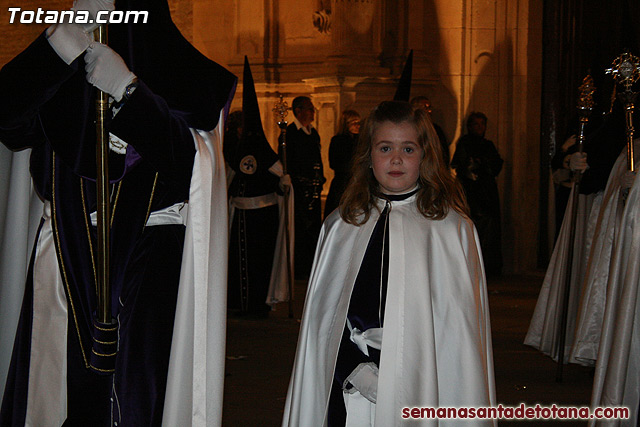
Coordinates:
<point>253,196</point>
<point>477,164</point>
<point>162,90</point>
<point>403,92</point>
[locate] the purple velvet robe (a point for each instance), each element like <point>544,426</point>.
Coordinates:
<point>48,106</point>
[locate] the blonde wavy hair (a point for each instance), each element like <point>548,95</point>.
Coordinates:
<point>438,189</point>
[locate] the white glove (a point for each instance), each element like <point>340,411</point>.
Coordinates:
<point>627,180</point>
<point>107,71</point>
<point>285,182</point>
<point>70,40</point>
<point>365,380</point>
<point>578,162</point>
<point>93,7</point>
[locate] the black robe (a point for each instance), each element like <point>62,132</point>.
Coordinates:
<point>304,164</point>
<point>477,164</point>
<point>253,234</point>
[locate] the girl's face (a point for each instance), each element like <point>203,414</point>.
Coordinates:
<point>396,157</point>
<point>354,125</point>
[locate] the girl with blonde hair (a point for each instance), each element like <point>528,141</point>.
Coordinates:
<point>396,315</point>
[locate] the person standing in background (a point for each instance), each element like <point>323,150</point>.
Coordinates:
<point>340,156</point>
<point>304,164</point>
<point>424,103</point>
<point>477,164</point>
<point>254,213</point>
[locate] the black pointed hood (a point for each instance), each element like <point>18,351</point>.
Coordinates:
<point>403,92</point>
<point>174,69</point>
<point>253,153</point>
<point>251,121</point>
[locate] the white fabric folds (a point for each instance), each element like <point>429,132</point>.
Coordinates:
<point>436,349</point>
<point>175,214</point>
<point>47,397</point>
<point>360,412</point>
<point>544,326</point>
<point>594,287</point>
<point>279,281</point>
<point>257,202</point>
<point>371,337</point>
<point>20,214</point>
<point>617,375</point>
<point>196,366</point>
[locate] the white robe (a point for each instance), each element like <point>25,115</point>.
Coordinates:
<point>543,329</point>
<point>617,375</point>
<point>195,381</point>
<point>20,212</point>
<point>594,286</point>
<point>279,290</point>
<point>436,347</point>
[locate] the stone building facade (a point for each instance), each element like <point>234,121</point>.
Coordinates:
<point>469,55</point>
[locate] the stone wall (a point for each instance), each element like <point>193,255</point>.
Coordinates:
<point>469,55</point>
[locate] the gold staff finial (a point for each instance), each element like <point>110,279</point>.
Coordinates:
<point>282,110</point>
<point>586,90</point>
<point>625,70</point>
<point>585,107</point>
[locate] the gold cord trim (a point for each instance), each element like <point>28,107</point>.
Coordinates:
<point>105,329</point>
<point>58,248</point>
<point>105,342</point>
<point>115,204</point>
<point>108,371</point>
<point>101,354</point>
<point>153,190</point>
<point>86,224</point>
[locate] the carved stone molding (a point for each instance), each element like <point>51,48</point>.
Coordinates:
<point>322,21</point>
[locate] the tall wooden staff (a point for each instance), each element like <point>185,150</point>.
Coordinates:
<point>281,109</point>
<point>103,211</point>
<point>626,71</point>
<point>585,107</point>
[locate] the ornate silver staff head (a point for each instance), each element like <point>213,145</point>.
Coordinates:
<point>282,110</point>
<point>625,70</point>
